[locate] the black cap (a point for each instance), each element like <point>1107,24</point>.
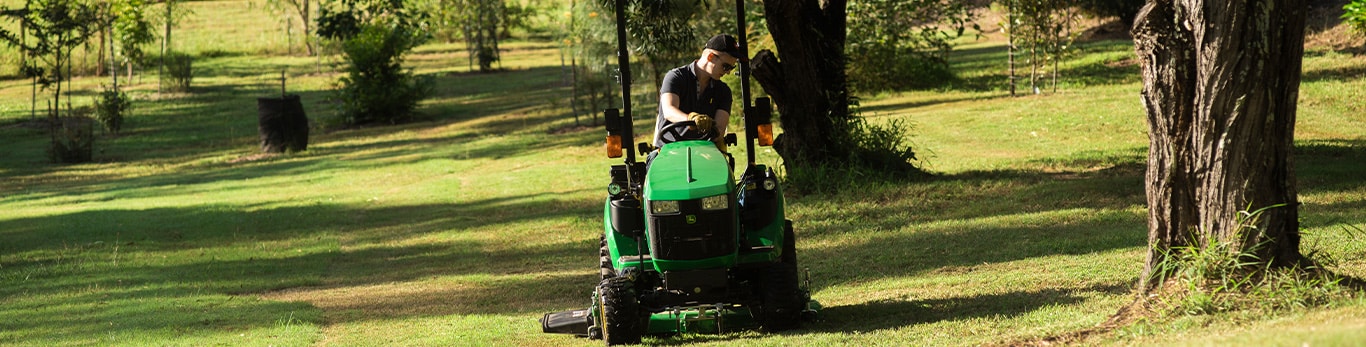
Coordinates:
<point>725,43</point>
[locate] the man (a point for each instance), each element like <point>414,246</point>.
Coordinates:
<point>694,92</point>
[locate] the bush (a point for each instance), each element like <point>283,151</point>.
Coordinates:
<point>1354,14</point>
<point>110,108</point>
<point>377,89</point>
<point>73,137</point>
<point>179,72</point>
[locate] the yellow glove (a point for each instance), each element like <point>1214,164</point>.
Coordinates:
<point>703,121</point>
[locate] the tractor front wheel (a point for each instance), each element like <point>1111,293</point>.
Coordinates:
<point>621,320</point>
<point>781,298</point>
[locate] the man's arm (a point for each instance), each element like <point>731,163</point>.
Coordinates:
<point>673,114</point>
<point>671,111</point>
<point>722,119</point>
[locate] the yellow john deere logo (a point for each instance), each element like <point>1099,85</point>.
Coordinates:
<point>692,219</point>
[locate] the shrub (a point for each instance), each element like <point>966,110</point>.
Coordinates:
<point>1354,13</point>
<point>110,108</point>
<point>73,137</point>
<point>179,72</point>
<point>376,88</point>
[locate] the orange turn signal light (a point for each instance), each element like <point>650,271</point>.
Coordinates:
<point>614,146</point>
<point>765,134</point>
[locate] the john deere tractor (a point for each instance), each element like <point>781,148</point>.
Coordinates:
<point>686,246</point>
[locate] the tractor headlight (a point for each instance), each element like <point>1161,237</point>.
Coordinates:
<point>663,207</point>
<point>713,203</point>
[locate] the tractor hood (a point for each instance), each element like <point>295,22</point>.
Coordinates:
<point>687,170</point>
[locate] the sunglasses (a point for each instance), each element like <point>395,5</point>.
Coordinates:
<point>727,67</point>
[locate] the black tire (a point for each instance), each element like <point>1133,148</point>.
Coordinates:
<point>781,300</point>
<point>621,319</point>
<point>789,255</point>
<point>605,269</point>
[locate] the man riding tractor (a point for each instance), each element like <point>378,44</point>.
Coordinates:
<point>686,247</point>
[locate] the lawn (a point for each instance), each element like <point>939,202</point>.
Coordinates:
<point>465,227</point>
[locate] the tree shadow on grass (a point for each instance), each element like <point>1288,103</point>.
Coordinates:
<point>895,313</point>
<point>70,265</point>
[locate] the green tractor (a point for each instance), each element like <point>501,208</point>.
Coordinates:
<point>686,247</point>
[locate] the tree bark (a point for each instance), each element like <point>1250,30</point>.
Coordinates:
<point>1221,81</point>
<point>809,86</point>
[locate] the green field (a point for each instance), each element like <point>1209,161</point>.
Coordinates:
<point>466,227</point>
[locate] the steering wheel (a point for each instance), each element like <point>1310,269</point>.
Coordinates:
<point>682,131</point>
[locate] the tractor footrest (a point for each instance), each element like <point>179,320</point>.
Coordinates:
<point>633,258</point>
<point>757,249</point>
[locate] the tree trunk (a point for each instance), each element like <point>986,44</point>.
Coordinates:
<point>1221,81</point>
<point>304,15</point>
<point>809,86</point>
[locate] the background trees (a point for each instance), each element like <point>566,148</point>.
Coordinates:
<point>53,30</point>
<point>897,44</point>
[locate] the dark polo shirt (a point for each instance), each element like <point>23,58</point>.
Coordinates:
<point>683,81</point>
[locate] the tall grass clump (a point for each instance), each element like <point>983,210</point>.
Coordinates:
<point>1216,278</point>
<point>879,153</point>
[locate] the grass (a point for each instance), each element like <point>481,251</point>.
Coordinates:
<point>464,228</point>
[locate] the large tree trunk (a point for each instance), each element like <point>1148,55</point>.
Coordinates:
<point>809,86</point>
<point>1221,81</point>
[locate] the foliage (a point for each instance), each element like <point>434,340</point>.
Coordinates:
<point>56,27</point>
<point>1355,15</point>
<point>895,44</point>
<point>179,71</point>
<point>111,106</point>
<point>375,36</point>
<point>589,41</point>
<point>132,29</point>
<point>1125,10</point>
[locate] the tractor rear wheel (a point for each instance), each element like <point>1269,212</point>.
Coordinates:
<point>781,298</point>
<point>621,319</point>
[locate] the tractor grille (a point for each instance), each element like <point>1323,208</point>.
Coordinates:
<point>706,234</point>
